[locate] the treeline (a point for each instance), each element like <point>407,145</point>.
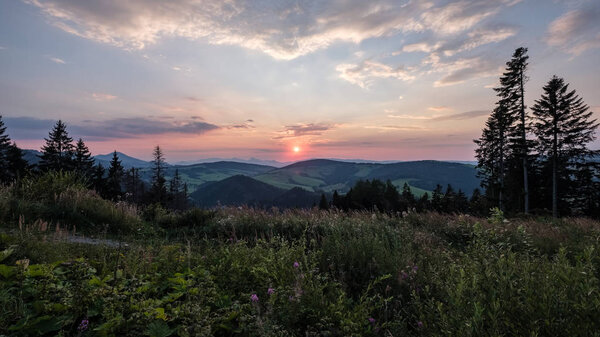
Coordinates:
<point>538,159</point>
<point>61,153</point>
<point>385,197</point>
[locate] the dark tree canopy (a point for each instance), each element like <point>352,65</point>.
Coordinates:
<point>57,153</point>
<point>564,128</point>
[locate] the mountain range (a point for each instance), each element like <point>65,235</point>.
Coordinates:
<point>299,184</point>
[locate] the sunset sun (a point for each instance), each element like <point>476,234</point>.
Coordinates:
<point>296,149</point>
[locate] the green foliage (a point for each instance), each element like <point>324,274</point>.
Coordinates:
<point>62,198</point>
<point>248,272</point>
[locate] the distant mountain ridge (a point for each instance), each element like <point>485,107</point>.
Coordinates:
<point>300,183</point>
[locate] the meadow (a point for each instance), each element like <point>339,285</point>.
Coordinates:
<point>248,272</point>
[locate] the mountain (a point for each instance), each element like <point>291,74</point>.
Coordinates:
<point>256,161</point>
<point>329,175</point>
<point>31,156</point>
<point>126,161</point>
<point>243,190</point>
<point>199,174</point>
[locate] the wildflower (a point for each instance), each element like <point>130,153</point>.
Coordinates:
<point>270,291</point>
<point>296,264</point>
<point>419,324</point>
<point>403,275</point>
<point>415,268</point>
<point>83,325</point>
<point>254,298</point>
<point>371,320</point>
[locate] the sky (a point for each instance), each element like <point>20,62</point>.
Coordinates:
<point>376,80</point>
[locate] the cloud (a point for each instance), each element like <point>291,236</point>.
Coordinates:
<point>283,29</point>
<point>439,108</point>
<point>461,116</point>
<point>57,60</point>
<point>576,30</point>
<point>463,69</point>
<point>395,127</point>
<point>103,97</point>
<point>410,117</point>
<point>298,130</point>
<point>364,73</point>
<point>31,127</point>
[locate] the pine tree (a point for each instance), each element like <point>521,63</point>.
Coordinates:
<point>4,149</point>
<point>512,94</point>
<point>98,180</point>
<point>57,153</point>
<point>323,203</point>
<point>17,165</point>
<point>563,127</point>
<point>408,197</point>
<point>436,198</point>
<point>492,151</point>
<point>83,162</point>
<point>158,190</point>
<point>175,191</point>
<point>115,177</point>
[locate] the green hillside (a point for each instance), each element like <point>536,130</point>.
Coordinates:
<point>329,175</point>
<point>198,174</point>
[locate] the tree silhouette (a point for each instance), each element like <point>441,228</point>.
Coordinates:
<point>57,153</point>
<point>563,127</point>
<point>512,95</point>
<point>115,177</point>
<point>82,160</point>
<point>158,189</point>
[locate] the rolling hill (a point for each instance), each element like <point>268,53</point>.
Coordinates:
<point>199,174</point>
<point>329,175</point>
<point>243,190</point>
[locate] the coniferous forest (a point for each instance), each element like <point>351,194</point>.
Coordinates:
<point>93,250</point>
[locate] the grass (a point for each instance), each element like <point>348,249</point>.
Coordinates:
<point>313,273</point>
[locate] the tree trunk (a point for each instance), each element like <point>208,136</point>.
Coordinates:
<point>500,196</point>
<point>554,182</point>
<point>524,149</point>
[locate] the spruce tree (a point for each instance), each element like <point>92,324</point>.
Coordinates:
<point>563,127</point>
<point>17,165</point>
<point>175,191</point>
<point>158,190</point>
<point>83,162</point>
<point>98,180</point>
<point>115,177</point>
<point>4,150</point>
<point>57,153</point>
<point>492,151</point>
<point>437,198</point>
<point>512,94</point>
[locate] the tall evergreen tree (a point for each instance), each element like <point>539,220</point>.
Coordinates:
<point>512,93</point>
<point>115,177</point>
<point>98,180</point>
<point>57,153</point>
<point>563,127</point>
<point>492,151</point>
<point>437,198</point>
<point>4,149</point>
<point>83,162</point>
<point>158,190</point>
<point>17,165</point>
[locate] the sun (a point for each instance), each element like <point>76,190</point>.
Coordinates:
<point>296,149</point>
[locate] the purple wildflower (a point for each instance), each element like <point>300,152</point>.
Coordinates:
<point>83,325</point>
<point>270,291</point>
<point>296,264</point>
<point>419,324</point>
<point>415,268</point>
<point>254,298</point>
<point>403,275</point>
<point>371,320</point>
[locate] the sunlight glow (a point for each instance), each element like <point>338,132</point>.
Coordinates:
<point>296,149</point>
